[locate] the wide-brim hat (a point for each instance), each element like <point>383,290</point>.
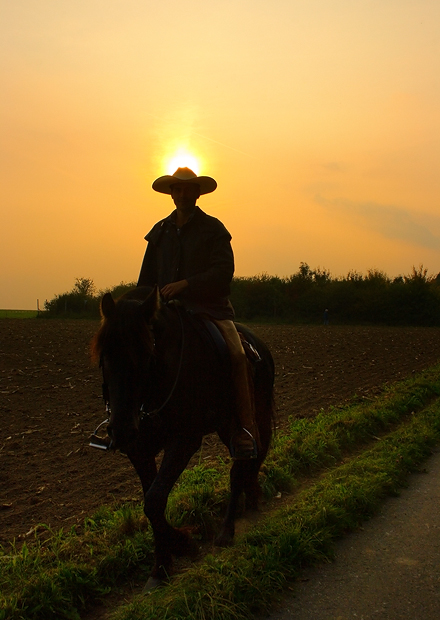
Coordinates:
<point>184,175</point>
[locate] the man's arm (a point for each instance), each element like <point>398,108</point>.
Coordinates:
<point>148,273</point>
<point>169,291</point>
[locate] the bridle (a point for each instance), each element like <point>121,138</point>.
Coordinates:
<point>102,443</point>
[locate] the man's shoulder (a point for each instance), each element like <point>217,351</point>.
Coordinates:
<point>156,231</point>
<point>209,222</point>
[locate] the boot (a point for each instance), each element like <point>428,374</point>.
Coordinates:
<point>245,439</point>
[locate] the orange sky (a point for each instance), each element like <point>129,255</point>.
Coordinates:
<point>319,120</point>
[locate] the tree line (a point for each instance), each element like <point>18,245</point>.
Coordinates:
<point>371,298</point>
<point>83,300</point>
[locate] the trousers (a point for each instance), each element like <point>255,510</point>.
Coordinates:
<point>241,376</point>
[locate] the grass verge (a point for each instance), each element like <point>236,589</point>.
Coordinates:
<point>18,314</point>
<point>58,574</point>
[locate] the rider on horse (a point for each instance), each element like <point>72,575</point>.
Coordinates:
<point>189,256</point>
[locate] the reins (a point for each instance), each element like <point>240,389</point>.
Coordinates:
<point>153,414</point>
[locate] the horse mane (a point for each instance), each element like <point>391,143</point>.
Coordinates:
<point>126,329</point>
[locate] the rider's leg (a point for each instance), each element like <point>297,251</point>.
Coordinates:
<point>245,440</point>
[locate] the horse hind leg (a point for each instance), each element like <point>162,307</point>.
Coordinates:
<point>253,490</point>
<point>243,478</point>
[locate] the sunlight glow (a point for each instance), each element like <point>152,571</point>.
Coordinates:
<point>182,159</point>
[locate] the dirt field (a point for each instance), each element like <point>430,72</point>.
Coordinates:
<point>50,401</point>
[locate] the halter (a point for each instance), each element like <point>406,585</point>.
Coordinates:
<point>102,443</point>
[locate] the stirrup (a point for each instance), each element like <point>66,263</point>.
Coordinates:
<point>249,349</point>
<point>102,443</point>
<point>237,456</point>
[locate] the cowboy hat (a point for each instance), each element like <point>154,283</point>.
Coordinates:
<point>184,175</point>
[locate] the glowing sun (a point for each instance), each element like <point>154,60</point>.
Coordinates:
<point>182,159</point>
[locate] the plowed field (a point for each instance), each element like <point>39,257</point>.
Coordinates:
<point>50,401</point>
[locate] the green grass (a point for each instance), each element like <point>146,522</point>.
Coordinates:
<point>311,444</point>
<point>350,458</point>
<point>18,314</point>
<point>59,572</point>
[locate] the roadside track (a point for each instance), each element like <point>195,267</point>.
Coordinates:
<point>387,570</point>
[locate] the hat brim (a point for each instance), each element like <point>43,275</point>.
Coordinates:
<point>163,184</point>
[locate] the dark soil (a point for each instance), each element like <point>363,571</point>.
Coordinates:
<point>50,401</point>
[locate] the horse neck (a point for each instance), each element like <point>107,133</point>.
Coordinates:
<point>167,331</point>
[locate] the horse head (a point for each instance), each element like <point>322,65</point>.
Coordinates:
<point>124,346</point>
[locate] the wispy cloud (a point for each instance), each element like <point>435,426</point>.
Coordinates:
<point>390,221</point>
<point>334,166</point>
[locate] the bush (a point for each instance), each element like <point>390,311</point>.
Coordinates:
<point>372,299</point>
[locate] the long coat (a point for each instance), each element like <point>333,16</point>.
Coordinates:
<point>199,252</point>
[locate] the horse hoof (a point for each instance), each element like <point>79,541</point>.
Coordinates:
<point>223,540</point>
<point>152,584</point>
<point>184,545</point>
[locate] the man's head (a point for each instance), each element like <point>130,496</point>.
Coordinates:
<point>185,195</point>
<point>184,176</point>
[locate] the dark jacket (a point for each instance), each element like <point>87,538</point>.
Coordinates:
<point>201,253</point>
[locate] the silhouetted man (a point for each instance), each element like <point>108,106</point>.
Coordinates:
<point>189,256</point>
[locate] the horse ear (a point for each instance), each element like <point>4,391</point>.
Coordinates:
<point>108,306</point>
<point>151,305</point>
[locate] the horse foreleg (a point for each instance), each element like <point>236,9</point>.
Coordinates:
<point>145,466</point>
<point>168,540</point>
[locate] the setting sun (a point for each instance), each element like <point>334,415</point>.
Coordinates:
<point>183,159</point>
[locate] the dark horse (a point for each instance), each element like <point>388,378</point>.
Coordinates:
<point>166,388</point>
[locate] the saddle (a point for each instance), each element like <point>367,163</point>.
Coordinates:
<point>209,330</point>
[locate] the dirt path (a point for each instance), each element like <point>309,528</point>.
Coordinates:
<point>388,570</point>
<point>50,400</point>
